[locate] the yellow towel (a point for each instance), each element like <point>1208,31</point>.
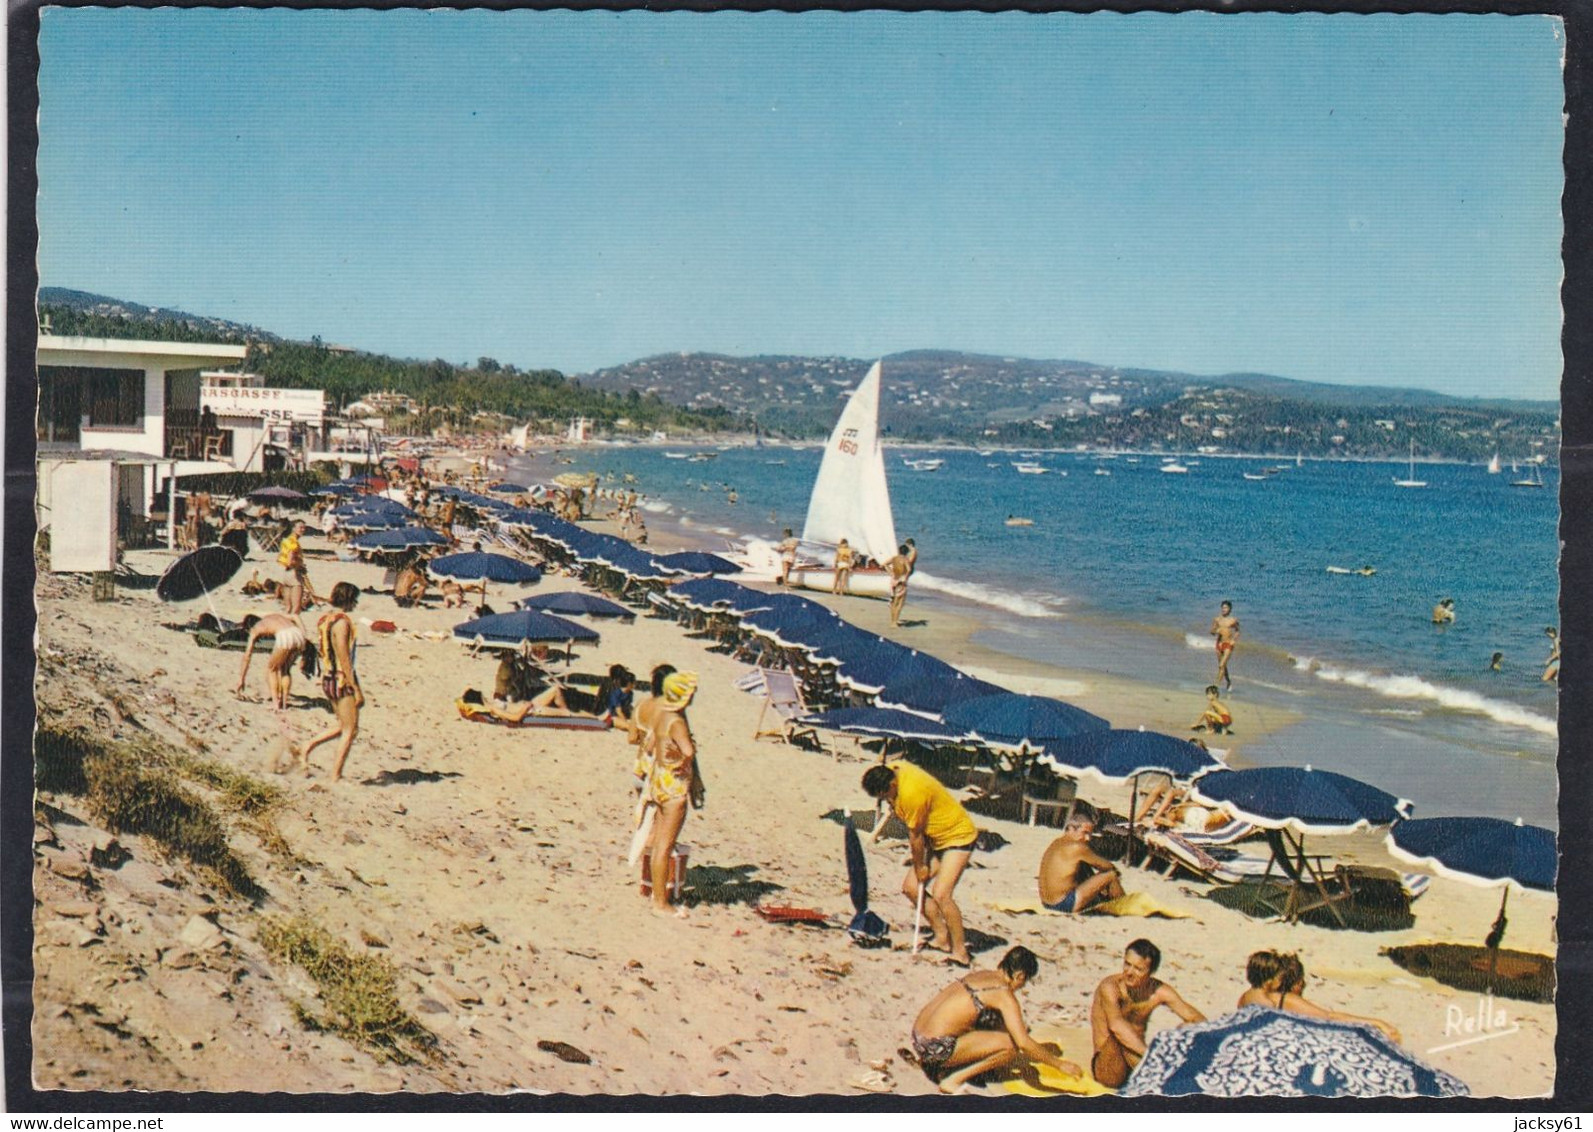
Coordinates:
<point>1135,904</point>
<point>1129,904</point>
<point>1031,906</point>
<point>1056,1084</point>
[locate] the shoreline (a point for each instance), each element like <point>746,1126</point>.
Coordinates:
<point>1341,705</point>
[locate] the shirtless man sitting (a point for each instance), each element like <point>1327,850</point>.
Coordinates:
<point>1122,1007</point>
<point>1072,875</point>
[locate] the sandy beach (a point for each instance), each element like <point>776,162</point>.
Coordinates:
<point>486,866</point>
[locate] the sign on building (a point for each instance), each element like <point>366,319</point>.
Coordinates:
<point>304,405</point>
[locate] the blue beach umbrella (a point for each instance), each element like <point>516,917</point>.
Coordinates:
<point>508,488</point>
<point>484,566</point>
<point>1261,1052</point>
<point>522,627</point>
<point>371,521</point>
<point>1482,851</point>
<point>275,493</point>
<point>577,603</point>
<point>698,562</point>
<point>402,538</point>
<point>882,721</point>
<point>792,628</point>
<point>868,668</point>
<point>1015,720</point>
<point>1300,799</point>
<point>931,695</point>
<point>1117,756</point>
<point>704,593</point>
<point>866,927</point>
<point>335,489</point>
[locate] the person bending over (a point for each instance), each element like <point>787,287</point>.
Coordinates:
<point>975,1025</point>
<point>941,836</point>
<point>288,643</point>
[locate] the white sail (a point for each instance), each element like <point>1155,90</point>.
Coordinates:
<point>850,497</point>
<point>1493,465</point>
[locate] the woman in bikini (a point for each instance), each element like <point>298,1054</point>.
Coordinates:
<point>976,1025</point>
<point>339,682</point>
<point>1277,981</point>
<point>671,770</point>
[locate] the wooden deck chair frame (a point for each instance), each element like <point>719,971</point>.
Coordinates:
<point>782,693</point>
<point>1304,873</point>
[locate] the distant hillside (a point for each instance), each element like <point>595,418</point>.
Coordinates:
<point>928,395</point>
<point>80,312</point>
<point>938,395</point>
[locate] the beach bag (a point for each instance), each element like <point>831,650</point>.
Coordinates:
<point>867,929</point>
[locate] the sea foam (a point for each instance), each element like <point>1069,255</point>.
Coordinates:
<point>1455,699</point>
<point>1020,604</point>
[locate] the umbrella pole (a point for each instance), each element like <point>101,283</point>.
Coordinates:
<point>1133,801</point>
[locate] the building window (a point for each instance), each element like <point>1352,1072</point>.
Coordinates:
<point>115,398</point>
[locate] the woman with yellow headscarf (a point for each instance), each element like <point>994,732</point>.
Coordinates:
<point>670,781</point>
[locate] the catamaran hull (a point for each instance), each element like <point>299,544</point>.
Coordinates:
<point>862,583</point>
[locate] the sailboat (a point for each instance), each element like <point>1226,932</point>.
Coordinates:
<point>1410,480</point>
<point>1493,465</point>
<point>851,500</point>
<point>1535,480</point>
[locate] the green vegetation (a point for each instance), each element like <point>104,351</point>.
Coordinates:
<point>360,991</point>
<point>132,787</point>
<point>463,397</point>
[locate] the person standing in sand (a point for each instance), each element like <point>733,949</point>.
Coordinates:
<point>844,557</point>
<point>1121,1009</point>
<point>1225,627</point>
<point>1062,887</point>
<point>288,644</point>
<point>941,837</point>
<point>339,681</point>
<point>295,580</point>
<point>900,568</point>
<point>788,552</point>
<point>670,781</point>
<point>975,1025</point>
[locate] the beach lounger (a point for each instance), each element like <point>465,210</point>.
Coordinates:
<point>782,695</point>
<point>475,713</point>
<point>1225,834</point>
<point>1176,850</point>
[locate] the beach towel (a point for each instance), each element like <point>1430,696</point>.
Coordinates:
<point>1054,1083</point>
<point>1129,904</point>
<point>782,914</point>
<point>475,713</point>
<point>646,813</point>
<point>1135,904</point>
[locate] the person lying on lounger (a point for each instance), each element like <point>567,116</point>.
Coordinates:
<point>1277,980</point>
<point>1072,875</point>
<point>548,702</point>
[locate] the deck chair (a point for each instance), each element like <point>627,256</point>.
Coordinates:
<point>1229,832</point>
<point>1049,800</point>
<point>783,696</point>
<point>1177,852</point>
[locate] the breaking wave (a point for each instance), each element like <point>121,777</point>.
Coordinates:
<point>1023,606</point>
<point>1416,688</point>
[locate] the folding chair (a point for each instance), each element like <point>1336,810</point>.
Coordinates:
<point>782,694</point>
<point>1173,849</point>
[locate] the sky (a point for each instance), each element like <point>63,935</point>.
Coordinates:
<point>1348,199</point>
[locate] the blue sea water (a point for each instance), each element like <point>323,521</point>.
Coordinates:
<point>1123,572</point>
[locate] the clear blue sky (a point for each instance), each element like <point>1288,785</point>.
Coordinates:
<point>1367,200</point>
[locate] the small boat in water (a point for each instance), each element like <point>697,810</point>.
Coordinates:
<point>1535,480</point>
<point>1256,476</point>
<point>677,455</point>
<point>1032,469</point>
<point>1102,472</point>
<point>928,465</point>
<point>1410,479</point>
<point>1493,465</point>
<point>1174,467</point>
<point>1019,521</point>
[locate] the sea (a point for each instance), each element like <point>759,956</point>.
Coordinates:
<point>1125,566</point>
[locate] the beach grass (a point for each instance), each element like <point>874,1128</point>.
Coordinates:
<point>360,992</point>
<point>132,787</point>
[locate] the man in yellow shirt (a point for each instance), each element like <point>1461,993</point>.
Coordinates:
<point>941,836</point>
